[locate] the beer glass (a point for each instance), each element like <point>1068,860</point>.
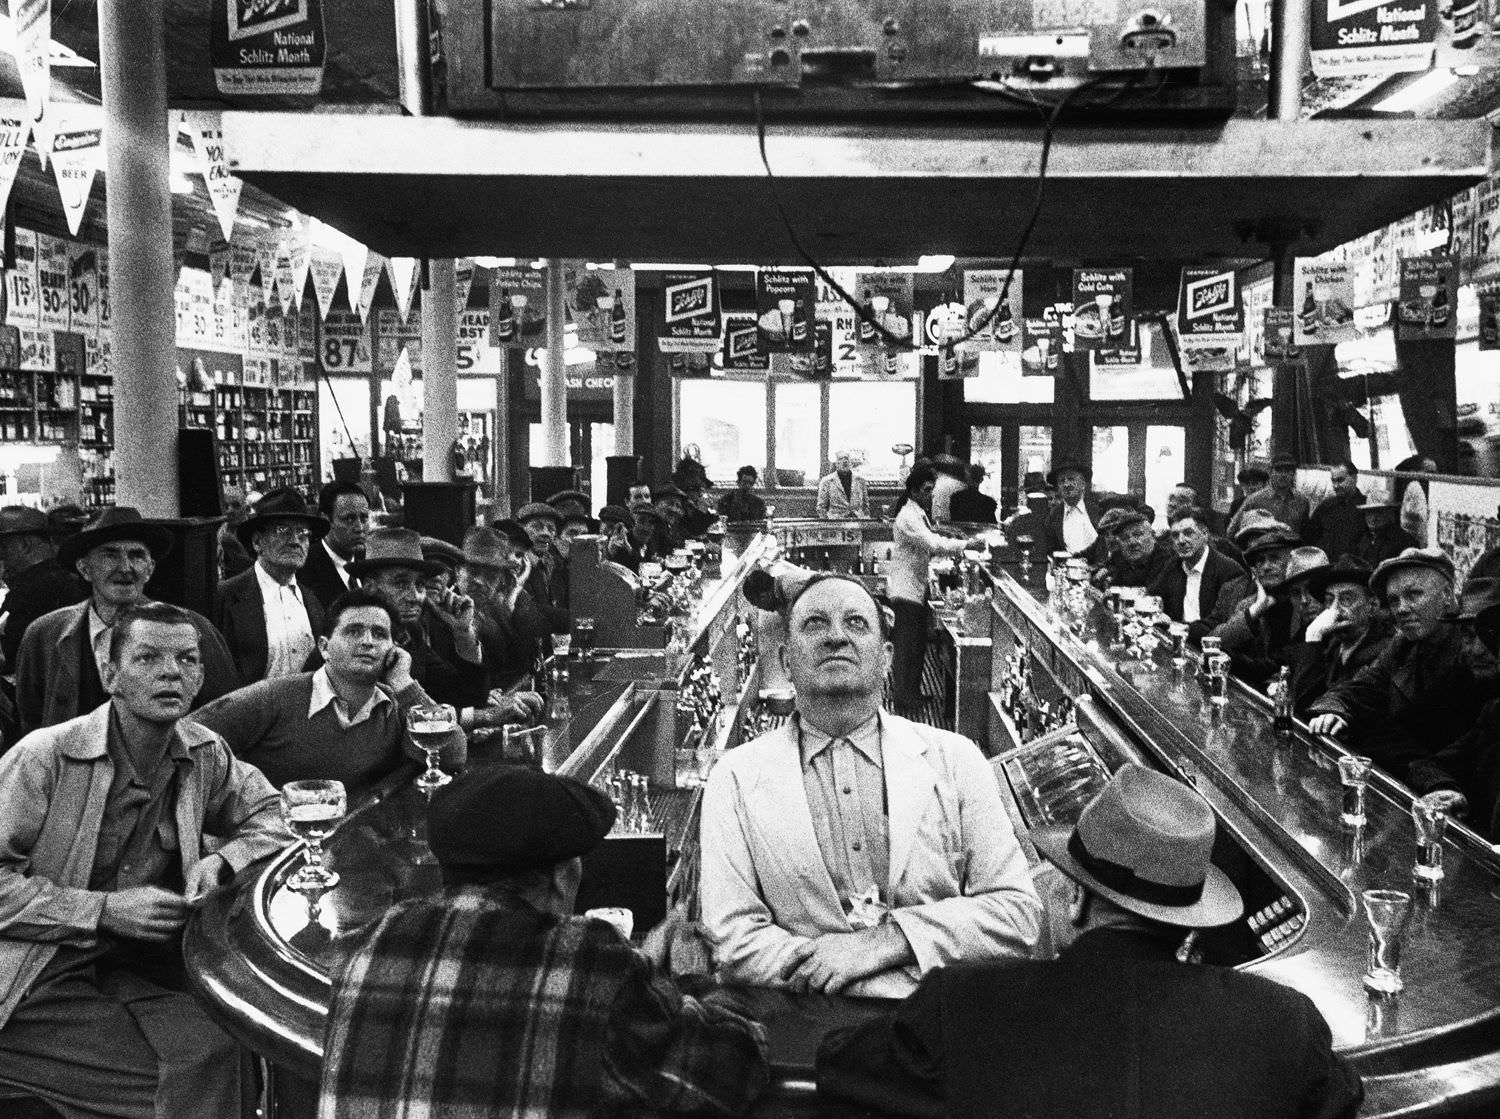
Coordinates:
<point>583,637</point>
<point>1387,912</point>
<point>312,810</point>
<point>430,725</point>
<point>1429,814</point>
<point>1177,633</point>
<point>1354,773</point>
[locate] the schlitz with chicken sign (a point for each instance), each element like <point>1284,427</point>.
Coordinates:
<point>1210,313</point>
<point>689,313</point>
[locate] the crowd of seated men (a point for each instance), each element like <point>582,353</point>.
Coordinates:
<point>849,852</point>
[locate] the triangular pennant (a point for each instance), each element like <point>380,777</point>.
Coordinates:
<point>301,251</point>
<point>283,268</point>
<point>205,128</point>
<point>375,265</point>
<point>326,266</point>
<point>403,273</point>
<point>75,159</point>
<point>354,254</point>
<point>218,262</point>
<point>14,129</point>
<point>241,263</point>
<point>265,263</point>
<point>463,280</point>
<point>32,22</point>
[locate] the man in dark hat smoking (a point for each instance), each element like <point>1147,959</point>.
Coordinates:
<point>1116,1026</point>
<point>491,997</point>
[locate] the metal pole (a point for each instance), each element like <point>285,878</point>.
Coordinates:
<point>133,76</point>
<point>1290,23</point>
<point>413,56</point>
<point>554,374</point>
<point>439,371</point>
<point>624,413</point>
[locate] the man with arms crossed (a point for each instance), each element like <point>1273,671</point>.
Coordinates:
<point>851,850</point>
<point>102,824</point>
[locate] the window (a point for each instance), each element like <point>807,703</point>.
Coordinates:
<point>343,420</point>
<point>1111,459</point>
<point>799,423</point>
<point>1000,382</point>
<point>1164,466</point>
<point>871,417</point>
<point>727,419</point>
<point>1154,378</point>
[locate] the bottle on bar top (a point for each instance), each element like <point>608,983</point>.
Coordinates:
<point>1281,700</point>
<point>1209,646</point>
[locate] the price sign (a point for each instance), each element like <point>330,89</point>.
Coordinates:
<point>476,356</point>
<point>344,343</point>
<point>102,260</point>
<point>23,304</point>
<point>96,354</point>
<point>83,287</point>
<point>52,282</point>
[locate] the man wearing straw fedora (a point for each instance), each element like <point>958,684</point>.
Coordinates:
<point>1117,1026</point>
<point>269,620</point>
<point>60,666</point>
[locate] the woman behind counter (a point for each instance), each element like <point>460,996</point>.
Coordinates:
<point>916,542</point>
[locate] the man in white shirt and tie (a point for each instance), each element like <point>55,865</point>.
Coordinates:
<point>267,617</point>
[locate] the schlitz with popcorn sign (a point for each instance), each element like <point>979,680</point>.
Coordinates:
<point>1210,312</point>
<point>690,313</point>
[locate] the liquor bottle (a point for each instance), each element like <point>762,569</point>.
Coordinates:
<point>867,321</point>
<point>799,323</point>
<point>1309,312</point>
<point>617,324</point>
<point>827,563</point>
<point>505,321</point>
<point>1439,316</point>
<point>1281,697</point>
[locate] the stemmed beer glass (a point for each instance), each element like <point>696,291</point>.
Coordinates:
<point>312,810</point>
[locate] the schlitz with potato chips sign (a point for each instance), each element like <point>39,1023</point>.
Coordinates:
<point>689,313</point>
<point>1210,312</point>
<point>268,46</point>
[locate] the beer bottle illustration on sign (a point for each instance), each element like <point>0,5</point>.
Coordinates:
<point>1309,311</point>
<point>1004,324</point>
<point>867,320</point>
<point>1439,315</point>
<point>505,318</point>
<point>799,322</point>
<point>617,327</point>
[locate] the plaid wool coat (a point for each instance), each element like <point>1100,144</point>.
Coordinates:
<point>470,1004</point>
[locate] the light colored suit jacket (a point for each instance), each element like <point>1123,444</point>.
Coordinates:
<point>958,882</point>
<point>834,506</point>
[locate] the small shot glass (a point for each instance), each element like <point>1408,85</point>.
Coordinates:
<point>1354,773</point>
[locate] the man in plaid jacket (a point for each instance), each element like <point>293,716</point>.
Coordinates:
<point>490,999</point>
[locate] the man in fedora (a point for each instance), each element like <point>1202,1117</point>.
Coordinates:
<point>269,619</point>
<point>60,665</point>
<point>1384,537</point>
<point>1280,499</point>
<point>606,1030</point>
<point>1071,525</point>
<point>547,581</point>
<point>438,632</point>
<point>493,573</point>
<point>37,581</point>
<point>1347,630</point>
<point>1265,624</point>
<point>1427,688</point>
<point>1116,1026</point>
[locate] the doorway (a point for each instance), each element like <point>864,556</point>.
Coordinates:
<point>588,443</point>
<point>1137,456</point>
<point>1009,451</point>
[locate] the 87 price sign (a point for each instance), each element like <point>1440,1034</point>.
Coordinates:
<point>344,344</point>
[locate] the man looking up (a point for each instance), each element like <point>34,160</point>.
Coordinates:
<point>268,618</point>
<point>1427,688</point>
<point>347,510</point>
<point>102,825</point>
<point>439,634</point>
<point>851,850</point>
<point>606,1031</point>
<point>1106,1030</point>
<point>60,665</point>
<point>1337,525</point>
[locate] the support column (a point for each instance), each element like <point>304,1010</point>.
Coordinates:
<point>133,76</point>
<point>553,375</point>
<point>439,371</point>
<point>624,412</point>
<point>1291,23</point>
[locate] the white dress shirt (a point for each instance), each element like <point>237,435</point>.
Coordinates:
<point>323,694</point>
<point>340,564</point>
<point>100,632</point>
<point>1194,572</point>
<point>289,637</point>
<point>1078,531</point>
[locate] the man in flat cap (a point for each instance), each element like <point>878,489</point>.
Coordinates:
<point>1137,556</point>
<point>547,581</point>
<point>496,561</point>
<point>1263,622</point>
<point>1116,1026</point>
<point>270,620</point>
<point>61,663</point>
<point>1427,688</point>
<point>532,1009</point>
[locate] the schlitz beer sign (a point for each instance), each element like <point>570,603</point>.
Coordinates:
<point>1210,313</point>
<point>690,320</point>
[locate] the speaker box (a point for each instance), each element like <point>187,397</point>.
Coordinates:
<point>198,483</point>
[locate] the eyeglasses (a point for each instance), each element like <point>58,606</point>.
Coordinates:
<point>291,532</point>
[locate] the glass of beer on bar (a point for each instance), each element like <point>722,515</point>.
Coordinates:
<point>1387,912</point>
<point>312,810</point>
<point>583,637</point>
<point>430,725</point>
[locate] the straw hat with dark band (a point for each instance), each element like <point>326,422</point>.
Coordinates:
<point>1145,843</point>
